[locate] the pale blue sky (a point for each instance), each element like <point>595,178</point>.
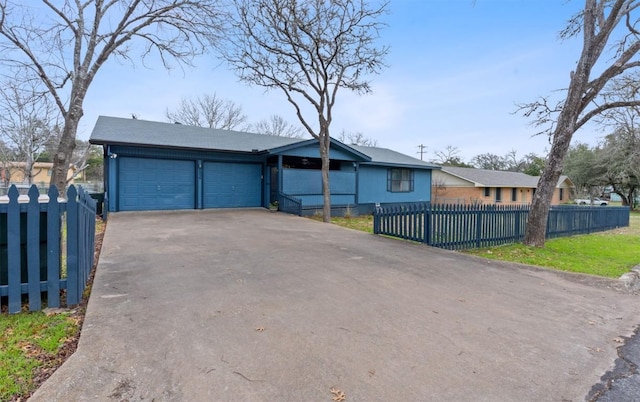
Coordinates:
<point>456,70</point>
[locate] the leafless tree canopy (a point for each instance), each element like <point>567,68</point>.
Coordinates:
<point>278,126</point>
<point>307,49</point>
<point>208,111</point>
<point>28,123</point>
<point>358,138</point>
<point>450,156</point>
<point>61,45</point>
<point>609,28</point>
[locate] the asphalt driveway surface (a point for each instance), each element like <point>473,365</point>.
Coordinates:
<point>255,306</point>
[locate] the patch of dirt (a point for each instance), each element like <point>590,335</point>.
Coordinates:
<point>51,363</point>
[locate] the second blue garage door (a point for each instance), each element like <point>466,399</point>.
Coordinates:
<point>232,185</point>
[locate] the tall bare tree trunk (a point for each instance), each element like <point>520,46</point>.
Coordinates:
<point>539,213</point>
<point>65,148</point>
<point>325,142</point>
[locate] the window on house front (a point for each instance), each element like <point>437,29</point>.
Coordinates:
<point>498,194</point>
<point>561,194</point>
<point>514,194</point>
<point>400,180</point>
<point>487,192</point>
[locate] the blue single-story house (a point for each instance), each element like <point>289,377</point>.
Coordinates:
<point>164,166</point>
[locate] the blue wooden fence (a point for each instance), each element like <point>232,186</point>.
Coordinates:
<point>39,256</point>
<point>457,227</point>
<point>289,204</point>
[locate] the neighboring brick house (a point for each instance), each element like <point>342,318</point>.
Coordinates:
<point>455,185</point>
<point>14,173</point>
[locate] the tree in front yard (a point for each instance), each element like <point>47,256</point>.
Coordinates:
<point>61,45</point>
<point>308,49</point>
<point>610,46</point>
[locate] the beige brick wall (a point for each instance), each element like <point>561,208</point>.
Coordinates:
<point>472,195</point>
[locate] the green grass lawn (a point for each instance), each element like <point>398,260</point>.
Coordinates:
<point>30,344</point>
<point>33,345</point>
<point>608,254</point>
<point>363,223</point>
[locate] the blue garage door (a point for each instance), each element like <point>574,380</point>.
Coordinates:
<point>155,184</point>
<point>232,185</point>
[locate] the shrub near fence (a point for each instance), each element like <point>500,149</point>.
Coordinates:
<point>32,258</point>
<point>458,227</point>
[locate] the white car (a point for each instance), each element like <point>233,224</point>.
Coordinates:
<point>594,201</point>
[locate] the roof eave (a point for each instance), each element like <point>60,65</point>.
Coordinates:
<point>401,165</point>
<point>157,146</point>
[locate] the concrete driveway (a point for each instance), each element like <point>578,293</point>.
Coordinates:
<point>255,306</point>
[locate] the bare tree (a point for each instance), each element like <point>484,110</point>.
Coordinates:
<point>278,126</point>
<point>356,139</point>
<point>489,161</point>
<point>208,111</point>
<point>439,186</point>
<point>307,49</point>
<point>7,156</point>
<point>450,156</point>
<point>63,44</point>
<point>28,123</point>
<point>599,20</point>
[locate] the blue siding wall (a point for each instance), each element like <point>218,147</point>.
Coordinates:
<point>306,184</point>
<point>372,186</point>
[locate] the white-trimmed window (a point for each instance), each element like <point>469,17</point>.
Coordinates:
<point>399,180</point>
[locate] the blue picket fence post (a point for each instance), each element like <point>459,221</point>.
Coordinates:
<point>13,251</point>
<point>428,211</point>
<point>73,296</point>
<point>34,247</point>
<point>53,247</point>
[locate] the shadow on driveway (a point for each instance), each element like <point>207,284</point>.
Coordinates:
<point>248,305</point>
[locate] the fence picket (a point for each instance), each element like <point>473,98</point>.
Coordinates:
<point>73,295</point>
<point>33,249</point>
<point>53,248</point>
<point>13,251</point>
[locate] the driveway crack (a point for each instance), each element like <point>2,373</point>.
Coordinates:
<point>624,367</point>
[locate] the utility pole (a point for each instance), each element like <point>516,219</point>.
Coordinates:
<point>422,151</point>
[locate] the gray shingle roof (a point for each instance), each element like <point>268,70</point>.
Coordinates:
<point>495,178</point>
<point>114,130</point>
<point>386,156</point>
